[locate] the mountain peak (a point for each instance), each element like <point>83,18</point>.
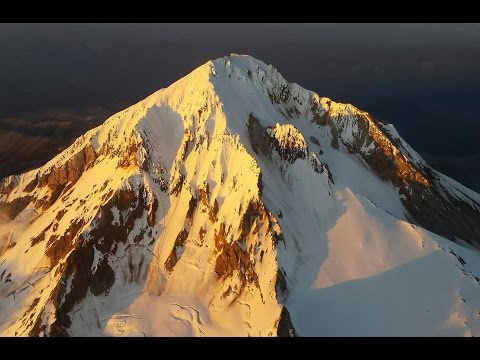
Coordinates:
<point>244,61</point>
<point>236,203</point>
<point>241,67</point>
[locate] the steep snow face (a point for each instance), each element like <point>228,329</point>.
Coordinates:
<point>236,203</point>
<point>166,206</point>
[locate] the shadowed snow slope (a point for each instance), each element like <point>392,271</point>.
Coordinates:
<point>236,203</point>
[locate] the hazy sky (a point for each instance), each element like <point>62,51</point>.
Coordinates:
<point>421,77</point>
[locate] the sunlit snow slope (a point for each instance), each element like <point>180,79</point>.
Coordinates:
<point>234,203</point>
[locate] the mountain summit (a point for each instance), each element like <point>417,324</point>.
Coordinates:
<point>236,203</point>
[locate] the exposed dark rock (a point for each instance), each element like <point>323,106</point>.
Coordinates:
<point>77,268</point>
<point>322,117</point>
<point>41,236</point>
<point>227,292</point>
<point>314,140</point>
<point>319,117</point>
<point>259,138</point>
<point>281,284</point>
<point>136,213</point>
<point>423,201</point>
<point>330,177</point>
<point>202,232</point>
<point>123,199</point>
<point>56,330</point>
<point>105,184</point>
<point>255,209</point>
<point>102,279</point>
<point>459,258</point>
<point>179,242</point>
<point>139,237</point>
<point>129,157</point>
<point>384,159</point>
<point>279,94</point>
<point>285,327</point>
<point>132,206</point>
<point>146,165</point>
<point>320,167</point>
<point>46,202</point>
<point>69,171</point>
<point>30,312</point>
<point>152,212</point>
<point>317,165</point>
<point>60,214</point>
<point>213,211</point>
<point>8,184</point>
<point>187,144</point>
<point>38,326</point>
<point>263,142</point>
<point>422,193</point>
<point>288,149</point>
<point>260,184</point>
<point>59,245</point>
<point>32,184</point>
<point>177,187</point>
<point>451,218</point>
<point>192,206</point>
<point>15,207</point>
<point>334,143</point>
<point>204,194</point>
<point>232,259</point>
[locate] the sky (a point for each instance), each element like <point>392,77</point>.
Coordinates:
<point>423,78</point>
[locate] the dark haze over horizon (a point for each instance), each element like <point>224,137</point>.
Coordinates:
<point>423,78</point>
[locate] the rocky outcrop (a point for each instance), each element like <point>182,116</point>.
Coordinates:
<point>320,167</point>
<point>8,184</point>
<point>59,180</point>
<point>70,290</point>
<point>260,140</point>
<point>361,134</point>
<point>437,210</point>
<point>286,140</point>
<point>177,250</point>
<point>285,327</point>
<point>238,256</point>
<point>102,279</point>
<point>320,109</point>
<point>233,259</point>
<point>13,208</point>
<point>72,254</point>
<point>428,203</point>
<point>70,171</point>
<point>59,245</point>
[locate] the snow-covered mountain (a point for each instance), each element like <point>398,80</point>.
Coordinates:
<point>236,203</point>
